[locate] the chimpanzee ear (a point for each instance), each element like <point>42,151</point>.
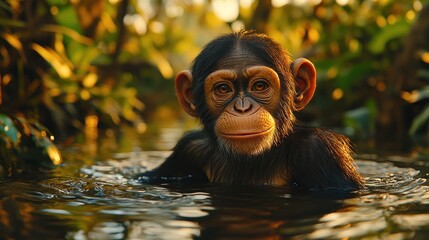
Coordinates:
<point>184,92</point>
<point>304,74</point>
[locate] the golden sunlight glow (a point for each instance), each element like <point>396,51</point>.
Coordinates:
<point>321,12</point>
<point>147,8</point>
<point>108,22</point>
<point>54,10</point>
<point>6,58</point>
<point>381,86</point>
<point>6,79</point>
<point>354,45</point>
<point>381,21</point>
<point>53,92</point>
<point>91,121</point>
<point>85,95</point>
<point>173,9</point>
<point>313,35</point>
<point>43,133</point>
<point>337,94</point>
<point>410,97</point>
<point>157,27</point>
<point>246,3</point>
<point>59,46</point>
<point>54,155</point>
<point>56,61</point>
<point>141,127</point>
<point>197,2</point>
<point>332,72</point>
<point>391,19</point>
<point>13,40</point>
<point>70,98</point>
<point>425,57</point>
<point>136,22</point>
<point>89,80</point>
<point>163,65</point>
<point>381,2</point>
<point>302,2</point>
<point>342,2</point>
<point>418,6</point>
<point>226,10</point>
<point>279,3</point>
<point>91,131</point>
<point>237,26</point>
<point>410,15</point>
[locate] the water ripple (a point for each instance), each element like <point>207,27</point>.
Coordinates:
<point>393,204</point>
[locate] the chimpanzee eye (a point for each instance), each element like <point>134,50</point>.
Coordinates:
<point>260,85</point>
<point>223,88</point>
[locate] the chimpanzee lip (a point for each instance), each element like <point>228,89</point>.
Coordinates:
<point>245,135</point>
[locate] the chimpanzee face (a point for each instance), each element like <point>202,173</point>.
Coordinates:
<point>248,99</point>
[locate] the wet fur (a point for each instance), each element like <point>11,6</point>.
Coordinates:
<point>309,157</point>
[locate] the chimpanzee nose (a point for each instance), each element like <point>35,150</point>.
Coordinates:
<point>242,105</point>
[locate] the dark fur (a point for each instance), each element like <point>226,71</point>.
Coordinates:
<point>310,158</point>
<point>261,47</point>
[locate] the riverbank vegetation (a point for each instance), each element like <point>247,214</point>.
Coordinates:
<point>73,65</point>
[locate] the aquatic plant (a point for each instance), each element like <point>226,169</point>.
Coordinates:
<point>25,145</point>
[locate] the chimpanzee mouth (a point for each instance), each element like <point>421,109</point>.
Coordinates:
<point>245,135</point>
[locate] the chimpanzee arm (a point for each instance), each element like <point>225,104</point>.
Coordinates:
<point>320,159</point>
<point>184,164</point>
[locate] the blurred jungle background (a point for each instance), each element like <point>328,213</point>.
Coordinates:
<point>74,65</point>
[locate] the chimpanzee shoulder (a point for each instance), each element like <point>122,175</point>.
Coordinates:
<point>184,164</point>
<point>321,159</point>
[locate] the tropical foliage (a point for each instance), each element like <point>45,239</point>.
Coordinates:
<point>25,146</point>
<point>65,62</point>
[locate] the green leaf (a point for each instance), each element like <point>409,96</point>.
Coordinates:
<point>423,73</point>
<point>67,17</point>
<point>8,128</point>
<point>73,34</point>
<point>57,2</point>
<point>11,23</point>
<point>4,5</point>
<point>388,33</point>
<point>39,150</point>
<point>419,121</point>
<point>327,68</point>
<point>423,93</point>
<point>348,76</point>
<point>57,61</point>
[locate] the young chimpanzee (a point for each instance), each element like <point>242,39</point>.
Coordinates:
<point>245,89</point>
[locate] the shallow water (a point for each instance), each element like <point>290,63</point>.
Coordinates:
<point>94,196</point>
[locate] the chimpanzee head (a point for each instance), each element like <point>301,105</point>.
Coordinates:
<point>245,88</point>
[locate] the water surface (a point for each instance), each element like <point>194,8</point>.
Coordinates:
<point>94,196</point>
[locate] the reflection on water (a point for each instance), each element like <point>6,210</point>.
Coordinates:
<point>94,196</point>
